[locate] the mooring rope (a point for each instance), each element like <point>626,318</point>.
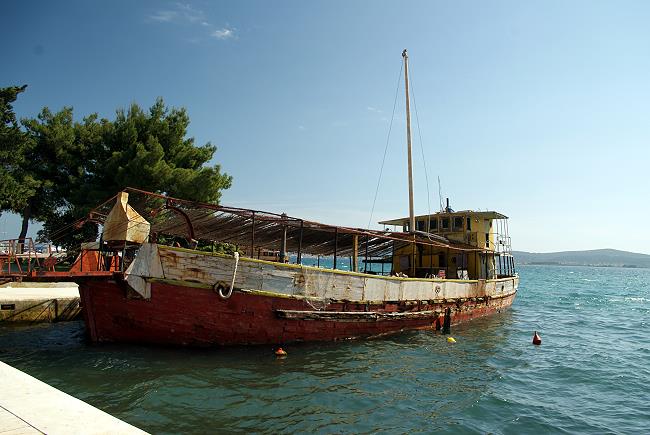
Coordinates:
<point>232,283</point>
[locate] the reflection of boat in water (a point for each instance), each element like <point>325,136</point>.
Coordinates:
<point>428,272</point>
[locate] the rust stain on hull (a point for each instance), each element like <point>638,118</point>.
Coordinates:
<point>192,316</point>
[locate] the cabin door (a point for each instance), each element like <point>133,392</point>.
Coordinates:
<point>442,263</point>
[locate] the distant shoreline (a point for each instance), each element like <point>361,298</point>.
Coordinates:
<point>550,263</point>
<point>592,258</point>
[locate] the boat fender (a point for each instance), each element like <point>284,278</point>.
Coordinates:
<point>451,340</point>
<point>537,340</point>
<point>280,352</point>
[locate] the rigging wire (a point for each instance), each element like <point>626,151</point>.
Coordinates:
<point>61,232</point>
<point>424,162</point>
<point>390,128</point>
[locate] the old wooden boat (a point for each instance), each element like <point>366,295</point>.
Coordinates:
<point>166,279</point>
<point>137,290</point>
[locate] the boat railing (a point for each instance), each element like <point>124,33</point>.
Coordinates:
<point>19,257</point>
<point>503,244</point>
<point>504,266</point>
<point>102,257</point>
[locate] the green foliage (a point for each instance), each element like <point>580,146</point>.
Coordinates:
<point>54,160</point>
<point>16,186</point>
<point>56,170</point>
<point>150,151</point>
<point>218,247</point>
<point>200,245</point>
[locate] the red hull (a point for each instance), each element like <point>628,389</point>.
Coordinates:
<point>182,315</point>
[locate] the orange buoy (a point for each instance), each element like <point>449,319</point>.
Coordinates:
<point>280,352</point>
<point>537,340</point>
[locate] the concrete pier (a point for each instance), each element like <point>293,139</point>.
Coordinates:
<point>29,406</point>
<point>31,302</point>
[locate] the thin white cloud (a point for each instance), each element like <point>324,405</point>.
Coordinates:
<point>180,13</point>
<point>189,13</point>
<point>164,16</point>
<point>185,14</point>
<point>224,33</point>
<point>374,109</point>
<point>302,127</point>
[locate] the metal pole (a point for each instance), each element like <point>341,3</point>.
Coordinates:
<point>414,253</point>
<point>100,262</point>
<point>355,254</point>
<point>336,244</point>
<point>302,223</point>
<point>253,236</point>
<point>123,255</point>
<point>365,263</point>
<point>283,246</point>
<point>408,142</point>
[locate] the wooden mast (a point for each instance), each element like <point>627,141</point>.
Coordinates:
<point>408,142</point>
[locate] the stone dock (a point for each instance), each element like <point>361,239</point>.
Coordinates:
<point>31,302</point>
<point>29,406</point>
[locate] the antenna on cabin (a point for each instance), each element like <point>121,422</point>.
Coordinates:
<point>439,194</point>
<point>448,209</point>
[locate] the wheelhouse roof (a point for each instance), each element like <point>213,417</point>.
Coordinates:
<point>472,213</point>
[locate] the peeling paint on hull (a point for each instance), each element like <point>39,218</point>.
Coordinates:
<point>186,315</point>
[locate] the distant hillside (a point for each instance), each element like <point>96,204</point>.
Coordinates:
<point>596,257</point>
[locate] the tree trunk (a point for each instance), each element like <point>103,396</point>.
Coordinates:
<point>27,214</point>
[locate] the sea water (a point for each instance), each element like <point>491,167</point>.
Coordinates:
<point>590,375</point>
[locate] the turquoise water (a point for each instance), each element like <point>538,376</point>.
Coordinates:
<point>590,375</point>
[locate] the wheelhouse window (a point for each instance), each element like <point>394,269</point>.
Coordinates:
<point>469,224</point>
<point>444,223</point>
<point>434,225</point>
<point>487,240</point>
<point>458,223</point>
<point>422,225</point>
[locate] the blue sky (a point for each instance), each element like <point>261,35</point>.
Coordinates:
<point>536,109</point>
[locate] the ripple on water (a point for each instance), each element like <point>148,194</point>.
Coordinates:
<point>589,375</point>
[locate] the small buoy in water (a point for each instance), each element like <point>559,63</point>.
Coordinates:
<point>280,352</point>
<point>537,340</point>
<point>451,340</point>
